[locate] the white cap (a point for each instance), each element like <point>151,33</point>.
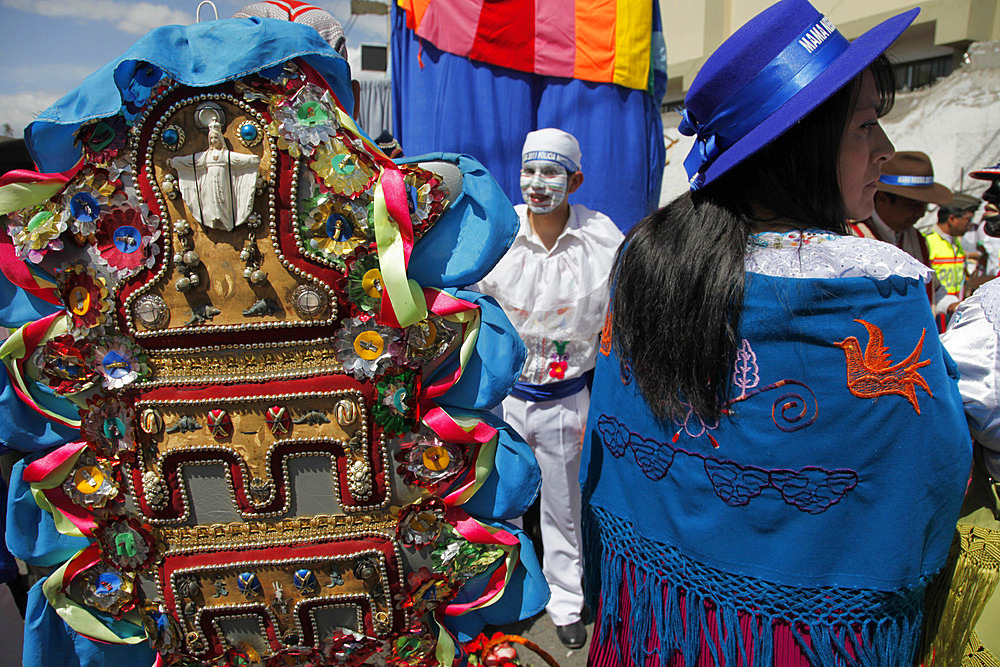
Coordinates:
<point>553,145</point>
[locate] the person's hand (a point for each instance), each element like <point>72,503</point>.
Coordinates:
<point>951,308</point>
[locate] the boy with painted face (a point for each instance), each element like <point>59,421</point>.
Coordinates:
<point>553,285</point>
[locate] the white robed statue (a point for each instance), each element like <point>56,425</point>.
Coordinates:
<point>217,184</point>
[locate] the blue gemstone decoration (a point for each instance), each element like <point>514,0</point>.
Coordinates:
<point>84,207</point>
<point>305,582</point>
<point>127,239</point>
<point>249,584</point>
<point>171,136</point>
<point>411,198</point>
<point>341,233</point>
<point>115,365</point>
<point>248,132</point>
<point>108,584</point>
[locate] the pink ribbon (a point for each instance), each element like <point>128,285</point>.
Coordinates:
<point>31,337</point>
<point>41,468</point>
<point>442,303</point>
<point>447,429</point>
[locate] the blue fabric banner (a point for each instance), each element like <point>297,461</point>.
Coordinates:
<point>444,102</point>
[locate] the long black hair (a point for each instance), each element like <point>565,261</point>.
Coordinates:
<point>679,276</point>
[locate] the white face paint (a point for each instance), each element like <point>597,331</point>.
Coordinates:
<point>543,185</point>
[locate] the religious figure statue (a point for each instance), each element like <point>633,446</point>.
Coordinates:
<point>217,184</point>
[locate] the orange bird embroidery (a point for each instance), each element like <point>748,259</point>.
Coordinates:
<point>873,374</point>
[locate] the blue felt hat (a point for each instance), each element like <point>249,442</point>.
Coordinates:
<point>767,76</point>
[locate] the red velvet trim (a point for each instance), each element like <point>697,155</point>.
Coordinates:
<point>250,390</point>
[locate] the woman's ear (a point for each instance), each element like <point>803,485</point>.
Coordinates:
<point>575,181</point>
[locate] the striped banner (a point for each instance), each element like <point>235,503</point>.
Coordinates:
<point>605,41</point>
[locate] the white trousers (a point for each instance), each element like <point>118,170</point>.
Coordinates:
<point>554,431</point>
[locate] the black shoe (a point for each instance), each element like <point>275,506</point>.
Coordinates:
<point>573,635</point>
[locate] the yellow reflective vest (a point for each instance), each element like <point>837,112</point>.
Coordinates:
<point>947,260</point>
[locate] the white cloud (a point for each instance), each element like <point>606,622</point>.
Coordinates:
<point>64,76</point>
<point>133,17</point>
<point>20,109</point>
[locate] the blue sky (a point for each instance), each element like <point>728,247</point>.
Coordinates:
<point>48,46</point>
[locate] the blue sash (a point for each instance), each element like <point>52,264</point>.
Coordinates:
<point>539,393</point>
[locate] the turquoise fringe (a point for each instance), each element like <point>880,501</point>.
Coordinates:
<point>653,575</point>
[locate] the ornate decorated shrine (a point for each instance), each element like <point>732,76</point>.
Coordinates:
<point>263,387</point>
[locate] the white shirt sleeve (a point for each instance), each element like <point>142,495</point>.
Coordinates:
<point>973,342</point>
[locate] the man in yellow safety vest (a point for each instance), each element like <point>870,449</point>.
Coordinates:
<point>944,246</point>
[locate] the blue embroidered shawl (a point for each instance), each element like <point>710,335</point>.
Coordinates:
<point>827,496</point>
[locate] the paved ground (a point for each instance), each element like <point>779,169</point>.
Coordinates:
<point>541,631</point>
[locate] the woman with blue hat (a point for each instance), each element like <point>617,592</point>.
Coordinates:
<point>776,449</point>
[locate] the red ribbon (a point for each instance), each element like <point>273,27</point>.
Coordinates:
<point>17,272</point>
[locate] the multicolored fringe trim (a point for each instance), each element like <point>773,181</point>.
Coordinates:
<point>681,608</point>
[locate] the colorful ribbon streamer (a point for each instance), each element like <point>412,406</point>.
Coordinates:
<point>45,477</point>
<point>19,347</point>
<point>76,615</point>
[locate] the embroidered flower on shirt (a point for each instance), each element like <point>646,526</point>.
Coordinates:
<point>792,239</point>
<point>560,360</point>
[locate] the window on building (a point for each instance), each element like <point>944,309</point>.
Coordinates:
<point>374,57</point>
<point>919,73</point>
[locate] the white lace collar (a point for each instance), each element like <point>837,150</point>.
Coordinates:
<point>821,254</point>
<point>989,298</point>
